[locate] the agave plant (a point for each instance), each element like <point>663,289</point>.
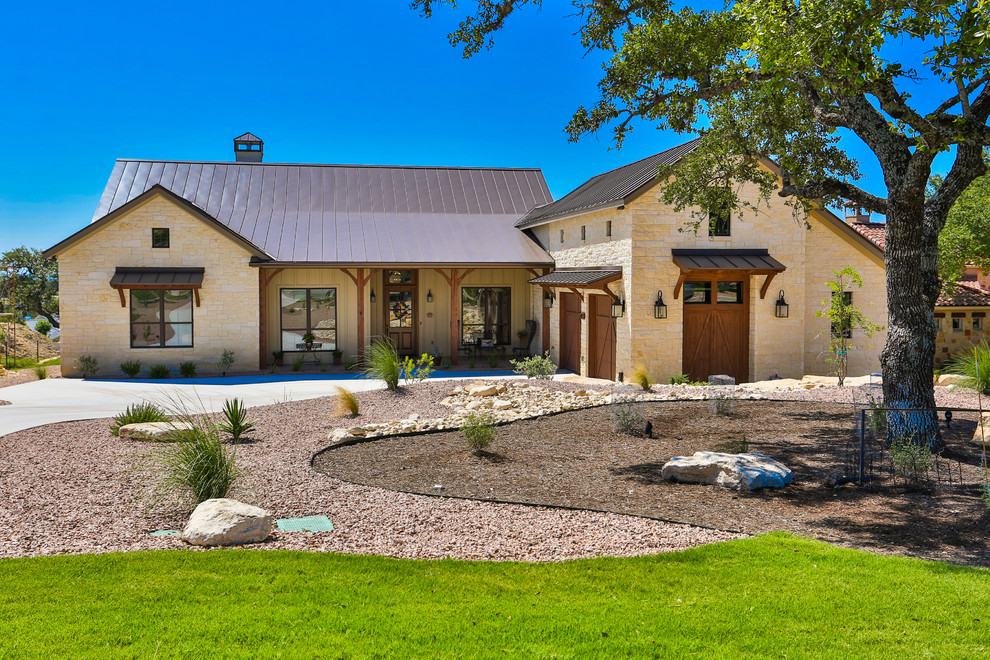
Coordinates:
<point>235,419</point>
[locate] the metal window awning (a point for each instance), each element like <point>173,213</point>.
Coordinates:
<point>157,278</point>
<point>718,263</point>
<point>576,279</point>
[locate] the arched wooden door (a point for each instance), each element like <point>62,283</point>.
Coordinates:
<point>570,332</point>
<point>601,338</point>
<point>716,328</point>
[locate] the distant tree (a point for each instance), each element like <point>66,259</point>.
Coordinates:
<point>965,239</point>
<point>37,283</point>
<point>784,81</point>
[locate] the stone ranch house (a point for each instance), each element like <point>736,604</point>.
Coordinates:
<point>184,260</point>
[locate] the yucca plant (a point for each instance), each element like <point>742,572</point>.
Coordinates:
<point>199,464</point>
<point>382,361</point>
<point>974,365</point>
<point>139,412</point>
<point>235,419</point>
<point>347,403</point>
<point>187,369</point>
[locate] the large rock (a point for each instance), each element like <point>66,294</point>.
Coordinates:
<point>982,430</point>
<point>483,390</point>
<point>227,522</point>
<point>738,471</point>
<point>154,430</point>
<point>950,379</point>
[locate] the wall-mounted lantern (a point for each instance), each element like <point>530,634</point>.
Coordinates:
<point>659,308</point>
<point>429,296</point>
<point>618,307</point>
<point>373,295</point>
<point>781,309</point>
<point>547,301</point>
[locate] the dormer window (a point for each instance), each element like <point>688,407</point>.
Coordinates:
<point>159,237</point>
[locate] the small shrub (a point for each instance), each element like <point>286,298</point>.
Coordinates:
<point>417,370</point>
<point>130,368</point>
<point>471,363</point>
<point>349,364</point>
<point>493,361</point>
<point>322,364</point>
<point>139,412</point>
<point>721,404</point>
<point>974,365</point>
<point>88,365</point>
<point>641,378</point>
<point>540,367</point>
<point>41,372</point>
<point>43,326</point>
<point>738,446</point>
<point>199,465</point>
<point>627,418</point>
<point>876,420</point>
<point>911,461</point>
<point>187,369</point>
<point>347,403</point>
<point>159,371</point>
<point>235,419</point>
<point>985,494</point>
<point>297,364</point>
<point>382,362</point>
<point>479,430</point>
<point>684,379</point>
<point>227,359</point>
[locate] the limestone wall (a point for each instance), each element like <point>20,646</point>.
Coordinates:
<point>957,331</point>
<point>93,322</point>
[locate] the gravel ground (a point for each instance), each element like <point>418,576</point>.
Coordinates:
<point>18,376</point>
<point>73,488</point>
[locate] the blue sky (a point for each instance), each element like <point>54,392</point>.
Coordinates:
<point>331,82</point>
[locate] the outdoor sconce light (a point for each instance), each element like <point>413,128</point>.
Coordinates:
<point>372,295</point>
<point>781,309</point>
<point>659,308</point>
<point>618,307</point>
<point>547,301</point>
<point>429,296</point>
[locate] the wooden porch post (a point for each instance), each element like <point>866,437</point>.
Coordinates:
<point>455,292</point>
<point>263,280</point>
<point>360,279</point>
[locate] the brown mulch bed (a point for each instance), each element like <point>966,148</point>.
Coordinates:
<point>576,459</point>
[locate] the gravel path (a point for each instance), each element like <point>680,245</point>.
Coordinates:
<point>73,487</point>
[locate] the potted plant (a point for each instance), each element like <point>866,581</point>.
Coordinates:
<point>337,354</point>
<point>277,357</point>
<point>308,339</point>
<point>522,334</point>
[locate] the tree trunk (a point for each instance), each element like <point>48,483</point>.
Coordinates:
<point>908,358</point>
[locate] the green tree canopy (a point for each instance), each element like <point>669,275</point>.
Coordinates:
<point>965,239</point>
<point>37,283</point>
<point>785,81</point>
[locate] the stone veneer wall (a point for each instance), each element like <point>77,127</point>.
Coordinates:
<point>93,322</point>
<point>948,341</point>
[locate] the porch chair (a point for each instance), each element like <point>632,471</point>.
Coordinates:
<point>530,333</point>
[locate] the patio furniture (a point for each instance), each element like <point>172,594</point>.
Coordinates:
<point>530,333</point>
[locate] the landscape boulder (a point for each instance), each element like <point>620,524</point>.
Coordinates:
<point>483,390</point>
<point>153,430</point>
<point>737,471</point>
<point>950,379</point>
<point>227,522</point>
<point>982,429</point>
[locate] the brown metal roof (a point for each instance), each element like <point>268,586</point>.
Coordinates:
<point>354,213</point>
<point>158,278</point>
<point>248,137</point>
<point>752,260</point>
<point>577,276</point>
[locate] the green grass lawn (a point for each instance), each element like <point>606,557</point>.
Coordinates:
<point>774,596</point>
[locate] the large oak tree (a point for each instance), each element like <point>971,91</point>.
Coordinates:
<point>785,80</point>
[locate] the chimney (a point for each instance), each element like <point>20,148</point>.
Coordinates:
<point>248,148</point>
<point>856,215</point>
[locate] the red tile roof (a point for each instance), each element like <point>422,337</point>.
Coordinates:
<point>966,295</point>
<point>874,232</point>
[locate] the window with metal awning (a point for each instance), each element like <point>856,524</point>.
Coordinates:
<point>721,264</point>
<point>157,278</point>
<point>578,280</point>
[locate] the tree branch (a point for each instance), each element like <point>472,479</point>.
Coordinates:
<point>968,166</point>
<point>823,188</point>
<point>956,98</point>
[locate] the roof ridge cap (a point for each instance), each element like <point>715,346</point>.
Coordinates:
<point>355,165</point>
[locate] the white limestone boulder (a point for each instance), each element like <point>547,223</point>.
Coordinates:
<point>227,522</point>
<point>483,390</point>
<point>736,471</point>
<point>982,431</point>
<point>154,431</point>
<point>950,379</point>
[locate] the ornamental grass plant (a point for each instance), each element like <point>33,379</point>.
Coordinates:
<point>973,364</point>
<point>347,403</point>
<point>382,362</point>
<point>145,411</point>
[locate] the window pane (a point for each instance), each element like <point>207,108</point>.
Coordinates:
<point>145,305</point>
<point>697,293</point>
<point>400,309</point>
<point>730,293</point>
<point>498,310</point>
<point>178,334</point>
<point>145,334</point>
<point>472,312</point>
<point>400,277</point>
<point>294,308</point>
<point>178,306</point>
<point>292,340</point>
<point>472,334</point>
<point>323,309</point>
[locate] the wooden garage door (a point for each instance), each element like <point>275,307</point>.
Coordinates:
<point>716,329</point>
<point>601,338</point>
<point>570,332</point>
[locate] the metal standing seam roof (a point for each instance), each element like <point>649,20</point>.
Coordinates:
<point>157,277</point>
<point>716,259</point>
<point>353,213</point>
<point>612,187</point>
<point>576,277</point>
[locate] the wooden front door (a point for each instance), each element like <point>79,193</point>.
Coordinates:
<point>716,328</point>
<point>601,338</point>
<point>400,310</point>
<point>570,332</point>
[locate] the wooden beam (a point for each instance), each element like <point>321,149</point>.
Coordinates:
<point>680,282</point>
<point>360,282</point>
<point>123,302</point>
<point>766,285</point>
<point>196,296</point>
<point>532,271</point>
<point>443,274</point>
<point>350,275</point>
<point>265,276</point>
<point>608,292</point>
<point>455,288</point>
<point>576,292</point>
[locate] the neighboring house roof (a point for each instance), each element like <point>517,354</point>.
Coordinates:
<point>353,214</point>
<point>965,295</point>
<point>875,232</point>
<point>611,188</point>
